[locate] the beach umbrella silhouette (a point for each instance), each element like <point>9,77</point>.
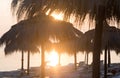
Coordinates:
<point>110,40</point>
<point>15,42</point>
<point>19,46</point>
<point>36,31</point>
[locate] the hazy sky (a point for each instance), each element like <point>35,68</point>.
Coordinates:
<point>6,18</point>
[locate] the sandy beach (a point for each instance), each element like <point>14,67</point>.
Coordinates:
<point>52,72</point>
<point>67,71</point>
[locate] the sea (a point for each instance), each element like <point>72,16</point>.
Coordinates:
<point>13,61</point>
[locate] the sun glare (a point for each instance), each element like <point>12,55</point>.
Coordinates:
<point>53,58</point>
<point>57,16</point>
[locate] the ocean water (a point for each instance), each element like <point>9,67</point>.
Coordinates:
<point>13,61</point>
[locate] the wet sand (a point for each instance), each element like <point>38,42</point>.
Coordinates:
<point>59,72</point>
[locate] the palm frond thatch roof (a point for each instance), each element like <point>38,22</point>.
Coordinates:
<point>79,8</point>
<point>70,46</point>
<point>30,34</point>
<point>111,37</point>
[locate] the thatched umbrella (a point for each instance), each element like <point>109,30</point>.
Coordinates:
<point>15,42</point>
<point>16,45</point>
<point>35,32</point>
<point>110,40</point>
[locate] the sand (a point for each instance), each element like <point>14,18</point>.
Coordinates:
<point>68,71</point>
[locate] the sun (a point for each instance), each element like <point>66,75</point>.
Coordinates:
<point>57,16</point>
<point>53,58</point>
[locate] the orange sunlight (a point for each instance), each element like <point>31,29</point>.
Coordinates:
<point>57,16</point>
<point>53,58</point>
